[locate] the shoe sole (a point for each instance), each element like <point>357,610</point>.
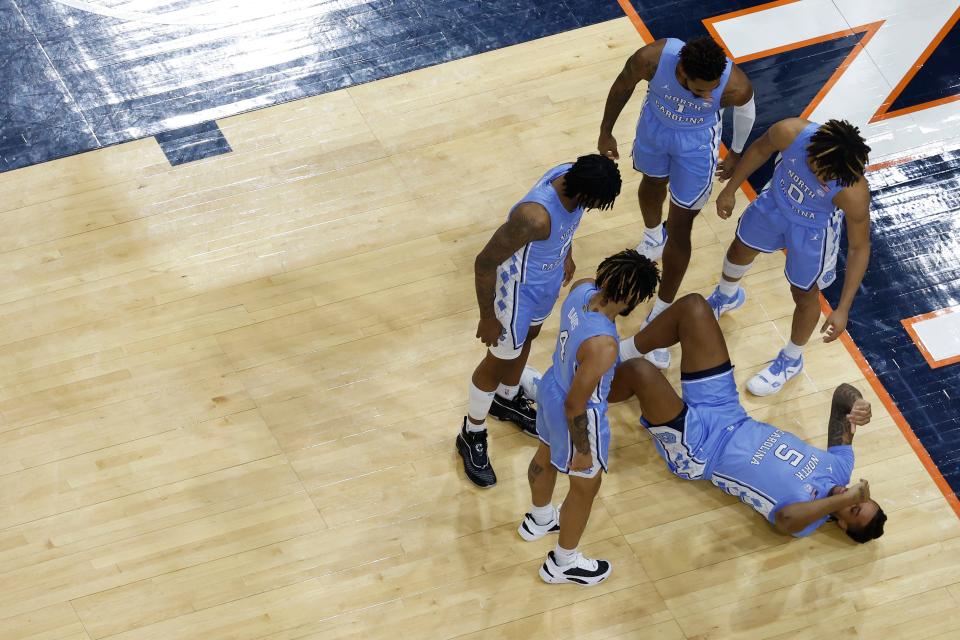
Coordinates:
<point>472,481</point>
<point>773,391</point>
<point>550,579</point>
<point>729,309</point>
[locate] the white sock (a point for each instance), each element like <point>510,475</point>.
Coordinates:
<point>508,392</point>
<point>565,557</point>
<point>654,232</point>
<point>542,515</point>
<point>628,349</point>
<point>728,288</point>
<point>476,428</point>
<point>479,405</point>
<point>793,351</point>
<point>659,306</point>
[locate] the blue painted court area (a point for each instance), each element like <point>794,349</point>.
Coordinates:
<point>78,75</point>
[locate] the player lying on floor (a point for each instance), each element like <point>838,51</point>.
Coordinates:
<point>707,434</point>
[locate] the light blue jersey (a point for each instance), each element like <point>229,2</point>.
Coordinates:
<point>540,263</point>
<point>796,189</point>
<point>577,324</point>
<point>714,439</point>
<point>768,468</point>
<point>676,106</point>
<point>528,282</point>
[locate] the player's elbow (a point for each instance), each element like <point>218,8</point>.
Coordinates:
<point>785,522</point>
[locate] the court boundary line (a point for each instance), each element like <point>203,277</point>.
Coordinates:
<point>871,377</point>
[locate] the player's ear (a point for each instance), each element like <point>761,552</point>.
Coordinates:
<point>842,524</point>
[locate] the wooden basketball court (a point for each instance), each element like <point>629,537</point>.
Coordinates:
<point>230,389</point>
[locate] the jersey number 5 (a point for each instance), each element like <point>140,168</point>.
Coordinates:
<point>787,454</point>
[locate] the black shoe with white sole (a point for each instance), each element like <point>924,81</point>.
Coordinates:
<point>472,447</point>
<point>583,570</point>
<point>520,411</point>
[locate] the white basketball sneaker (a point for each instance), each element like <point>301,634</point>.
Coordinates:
<point>530,381</point>
<point>583,570</point>
<point>529,530</point>
<point>652,246</point>
<point>771,380</point>
<point>721,303</point>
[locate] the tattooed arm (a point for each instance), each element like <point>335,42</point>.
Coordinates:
<point>595,357</point>
<point>848,410</point>
<point>527,223</point>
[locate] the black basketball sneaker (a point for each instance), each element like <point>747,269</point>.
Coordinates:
<point>472,447</point>
<point>520,411</point>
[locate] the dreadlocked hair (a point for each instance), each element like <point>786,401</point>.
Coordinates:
<point>703,59</point>
<point>839,152</point>
<point>628,277</point>
<point>594,181</point>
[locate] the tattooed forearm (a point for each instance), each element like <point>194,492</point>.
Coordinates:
<point>578,433</point>
<point>839,430</point>
<point>533,472</point>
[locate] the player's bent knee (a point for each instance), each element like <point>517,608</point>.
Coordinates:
<point>694,305</point>
<point>809,297</point>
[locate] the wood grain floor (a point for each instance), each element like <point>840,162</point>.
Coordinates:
<point>229,392</point>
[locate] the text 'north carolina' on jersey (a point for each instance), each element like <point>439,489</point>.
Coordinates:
<point>796,188</point>
<point>578,324</point>
<point>676,106</point>
<point>768,468</point>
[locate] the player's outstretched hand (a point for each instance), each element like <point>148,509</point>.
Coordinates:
<point>860,413</point>
<point>727,165</point>
<point>834,325</point>
<point>725,203</point>
<point>489,330</point>
<point>581,462</point>
<point>607,146</point>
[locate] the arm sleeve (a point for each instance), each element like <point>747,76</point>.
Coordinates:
<point>743,118</point>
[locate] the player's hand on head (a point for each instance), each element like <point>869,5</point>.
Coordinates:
<point>726,201</point>
<point>727,165</point>
<point>489,330</point>
<point>834,325</point>
<point>860,413</point>
<point>860,492</point>
<point>607,146</point>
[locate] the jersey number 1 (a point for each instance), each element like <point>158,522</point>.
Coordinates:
<point>563,344</point>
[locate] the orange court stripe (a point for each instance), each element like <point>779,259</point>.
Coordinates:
<point>845,338</point>
<point>882,113</point>
<point>908,325</point>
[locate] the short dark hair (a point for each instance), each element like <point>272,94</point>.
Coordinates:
<point>594,181</point>
<point>628,277</point>
<point>703,59</point>
<point>839,151</point>
<point>871,530</point>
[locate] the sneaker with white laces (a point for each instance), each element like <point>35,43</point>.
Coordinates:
<point>583,570</point>
<point>721,303</point>
<point>529,530</point>
<point>659,357</point>
<point>771,380</point>
<point>652,245</point>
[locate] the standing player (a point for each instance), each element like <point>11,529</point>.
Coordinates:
<point>818,179</point>
<point>572,418</point>
<point>678,141</point>
<point>707,435</point>
<point>518,276</point>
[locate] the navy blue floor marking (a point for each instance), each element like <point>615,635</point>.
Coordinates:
<point>195,142</point>
<point>914,269</point>
<point>87,80</point>
<point>937,78</point>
